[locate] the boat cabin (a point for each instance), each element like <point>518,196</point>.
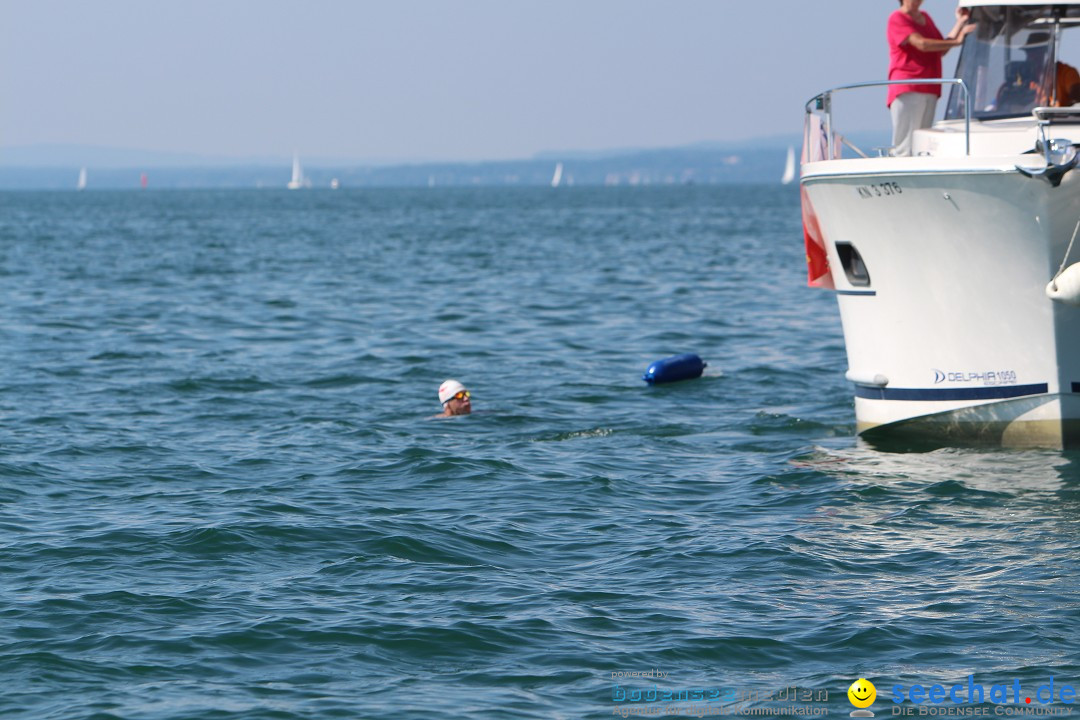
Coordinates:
<point>1020,57</point>
<point>1016,88</point>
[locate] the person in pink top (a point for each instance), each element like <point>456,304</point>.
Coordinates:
<point>915,50</point>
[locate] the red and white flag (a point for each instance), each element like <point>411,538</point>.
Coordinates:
<point>815,147</point>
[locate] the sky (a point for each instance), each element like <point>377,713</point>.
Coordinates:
<point>428,80</point>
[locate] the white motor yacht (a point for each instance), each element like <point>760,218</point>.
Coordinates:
<point>957,269</point>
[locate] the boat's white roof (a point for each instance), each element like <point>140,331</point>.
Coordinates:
<point>977,3</point>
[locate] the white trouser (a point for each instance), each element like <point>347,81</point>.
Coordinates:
<point>911,111</point>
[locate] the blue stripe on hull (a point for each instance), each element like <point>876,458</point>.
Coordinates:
<point>996,392</point>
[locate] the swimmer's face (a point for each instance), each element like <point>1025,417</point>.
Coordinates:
<point>862,693</point>
<point>460,404</point>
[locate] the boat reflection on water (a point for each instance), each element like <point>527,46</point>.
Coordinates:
<point>1003,470</point>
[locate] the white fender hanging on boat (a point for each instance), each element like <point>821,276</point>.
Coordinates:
<point>1066,286</point>
<point>866,378</point>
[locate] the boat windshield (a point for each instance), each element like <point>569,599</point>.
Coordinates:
<point>1009,62</point>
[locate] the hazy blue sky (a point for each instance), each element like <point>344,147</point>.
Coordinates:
<point>426,79</point>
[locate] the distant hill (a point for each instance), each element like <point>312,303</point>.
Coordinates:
<point>57,167</point>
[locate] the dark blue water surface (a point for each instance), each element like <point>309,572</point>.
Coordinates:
<point>223,495</point>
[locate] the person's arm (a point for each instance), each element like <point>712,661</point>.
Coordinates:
<point>925,44</point>
<point>961,28</point>
<point>955,37</point>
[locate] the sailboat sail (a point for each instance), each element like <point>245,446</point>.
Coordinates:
<point>556,179</point>
<point>789,168</point>
<point>81,184</point>
<point>297,174</point>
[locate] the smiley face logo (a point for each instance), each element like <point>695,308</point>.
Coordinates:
<point>862,693</point>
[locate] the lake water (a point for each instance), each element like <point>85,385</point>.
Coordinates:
<point>223,495</point>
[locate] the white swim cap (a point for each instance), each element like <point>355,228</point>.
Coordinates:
<point>448,390</point>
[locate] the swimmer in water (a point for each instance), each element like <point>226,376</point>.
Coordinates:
<point>454,398</point>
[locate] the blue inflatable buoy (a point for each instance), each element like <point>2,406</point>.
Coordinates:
<point>676,367</point>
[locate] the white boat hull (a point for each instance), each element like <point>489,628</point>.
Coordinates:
<point>954,337</point>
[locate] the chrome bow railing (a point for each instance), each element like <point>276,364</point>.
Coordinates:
<point>822,103</point>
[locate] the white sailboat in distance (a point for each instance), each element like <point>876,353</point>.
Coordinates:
<point>298,180</point>
<point>789,167</point>
<point>81,184</point>
<point>556,179</point>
